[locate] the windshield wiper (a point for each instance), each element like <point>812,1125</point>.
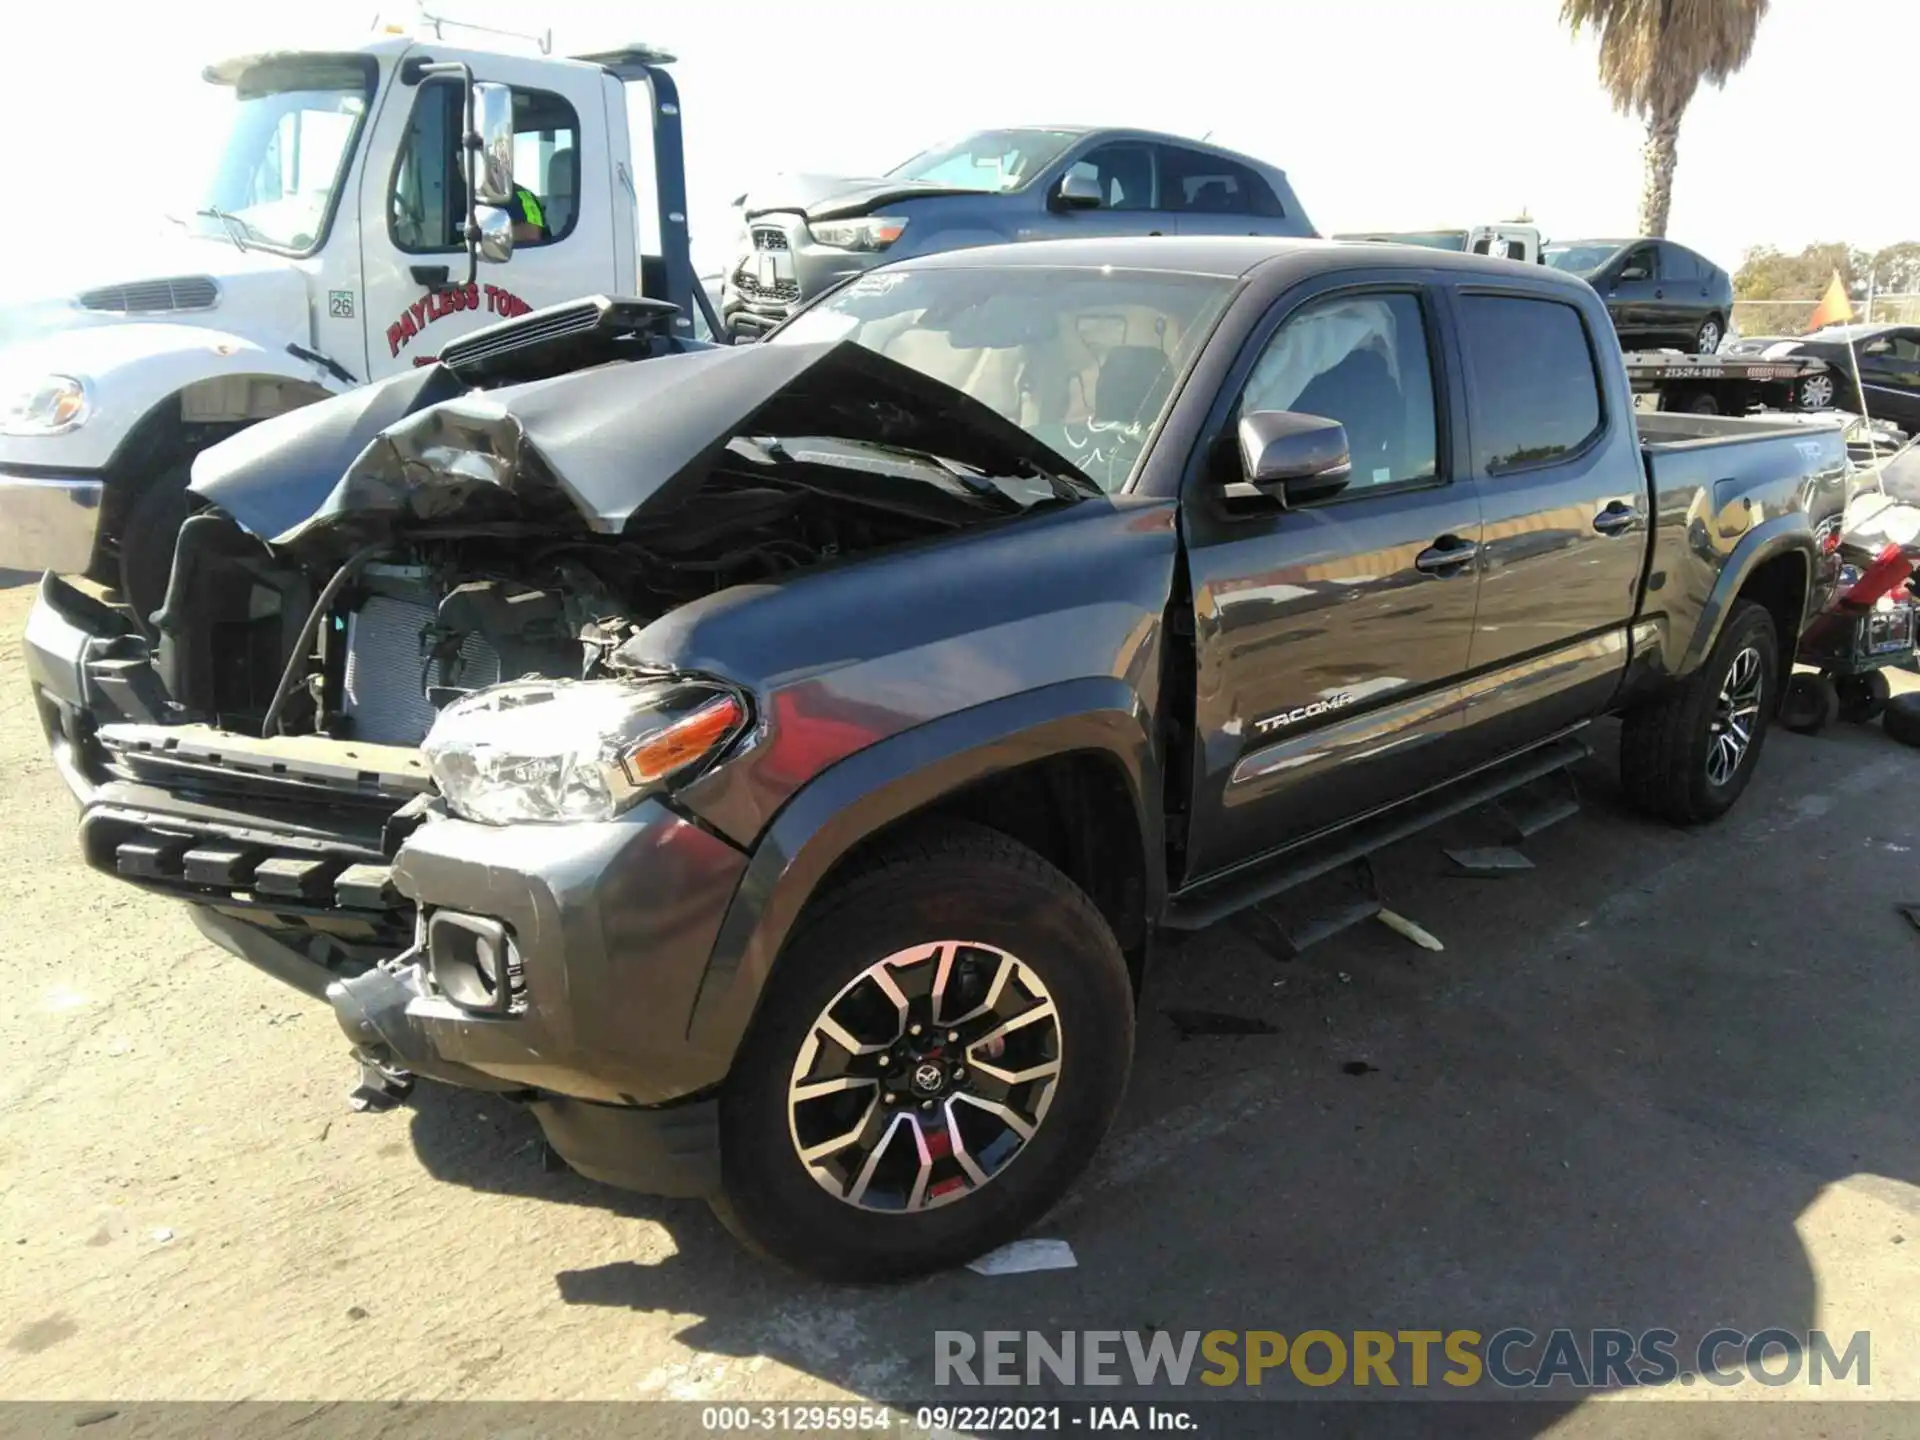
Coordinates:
<point>236,228</point>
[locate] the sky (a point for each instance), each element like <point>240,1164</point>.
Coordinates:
<point>1386,114</point>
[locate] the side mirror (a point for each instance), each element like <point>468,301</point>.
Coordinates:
<point>1295,458</point>
<point>490,145</point>
<point>495,245</point>
<point>1078,191</point>
<point>1632,272</point>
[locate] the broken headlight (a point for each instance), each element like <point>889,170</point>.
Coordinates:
<point>559,751</point>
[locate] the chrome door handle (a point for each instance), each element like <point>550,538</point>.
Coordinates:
<point>1616,519</point>
<point>1446,556</point>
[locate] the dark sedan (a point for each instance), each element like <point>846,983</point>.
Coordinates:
<point>1876,369</point>
<point>1658,294</point>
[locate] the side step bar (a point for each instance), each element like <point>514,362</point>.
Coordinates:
<point>1213,900</point>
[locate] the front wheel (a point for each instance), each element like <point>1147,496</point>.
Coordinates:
<point>1687,756</point>
<point>939,1051</point>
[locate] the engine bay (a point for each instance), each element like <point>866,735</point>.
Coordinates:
<point>419,621</point>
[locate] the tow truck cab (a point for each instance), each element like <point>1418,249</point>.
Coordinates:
<point>329,245</point>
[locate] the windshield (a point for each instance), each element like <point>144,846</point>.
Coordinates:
<point>1579,259</point>
<point>289,137</point>
<point>992,160</point>
<point>1084,361</point>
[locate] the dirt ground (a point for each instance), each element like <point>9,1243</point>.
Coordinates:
<point>1664,1079</point>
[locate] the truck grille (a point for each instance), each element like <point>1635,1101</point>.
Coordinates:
<point>780,292</point>
<point>154,297</point>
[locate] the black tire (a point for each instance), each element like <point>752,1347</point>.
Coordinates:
<point>1863,697</point>
<point>147,535</point>
<point>1810,705</point>
<point>1901,718</point>
<point>1702,404</point>
<point>1665,744</point>
<point>957,882</point>
<point>1708,337</point>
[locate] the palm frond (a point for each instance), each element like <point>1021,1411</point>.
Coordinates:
<point>1655,53</point>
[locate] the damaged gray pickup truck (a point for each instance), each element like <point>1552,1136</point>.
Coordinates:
<point>774,764</point>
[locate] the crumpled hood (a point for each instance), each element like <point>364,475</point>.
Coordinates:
<point>834,197</point>
<point>257,293</point>
<point>598,446</point>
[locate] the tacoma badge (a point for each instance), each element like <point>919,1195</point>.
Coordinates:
<point>1304,712</point>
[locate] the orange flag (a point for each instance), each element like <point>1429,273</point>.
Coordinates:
<point>1835,308</point>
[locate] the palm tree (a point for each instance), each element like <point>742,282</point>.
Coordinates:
<point>1653,56</point>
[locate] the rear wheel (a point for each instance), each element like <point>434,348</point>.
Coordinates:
<point>1707,338</point>
<point>1687,756</point>
<point>937,1056</point>
<point>1816,392</point>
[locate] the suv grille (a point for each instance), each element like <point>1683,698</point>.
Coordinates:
<point>764,239</point>
<point>154,297</point>
<point>780,292</point>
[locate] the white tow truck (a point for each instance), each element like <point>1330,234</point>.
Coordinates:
<point>366,206</point>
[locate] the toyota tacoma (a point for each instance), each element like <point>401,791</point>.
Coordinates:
<point>773,765</point>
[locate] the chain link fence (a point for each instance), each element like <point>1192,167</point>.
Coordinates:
<point>1790,317</point>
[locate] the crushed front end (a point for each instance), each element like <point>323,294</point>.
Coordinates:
<point>557,964</point>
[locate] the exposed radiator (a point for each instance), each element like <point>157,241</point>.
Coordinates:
<point>388,672</point>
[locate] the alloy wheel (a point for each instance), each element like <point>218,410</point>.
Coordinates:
<point>1816,392</point>
<point>925,1076</point>
<point>1736,715</point>
<point>1709,337</point>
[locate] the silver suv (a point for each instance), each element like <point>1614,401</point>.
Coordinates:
<point>807,233</point>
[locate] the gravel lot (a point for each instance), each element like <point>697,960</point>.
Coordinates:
<point>1663,1079</point>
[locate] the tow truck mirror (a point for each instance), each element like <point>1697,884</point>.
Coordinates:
<point>1294,458</point>
<point>491,154</point>
<point>496,235</point>
<point>1077,191</point>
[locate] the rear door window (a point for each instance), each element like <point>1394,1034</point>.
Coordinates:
<point>1196,183</point>
<point>1533,383</point>
<point>1678,263</point>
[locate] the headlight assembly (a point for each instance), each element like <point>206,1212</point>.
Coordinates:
<point>560,751</point>
<point>869,232</point>
<point>47,405</point>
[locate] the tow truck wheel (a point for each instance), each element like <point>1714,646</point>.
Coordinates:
<point>938,1053</point>
<point>1688,755</point>
<point>1862,697</point>
<point>147,537</point>
<point>1901,719</point>
<point>1811,704</point>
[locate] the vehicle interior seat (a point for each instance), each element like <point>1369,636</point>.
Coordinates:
<point>1361,394</point>
<point>1133,384</point>
<point>563,190</point>
<point>1213,198</point>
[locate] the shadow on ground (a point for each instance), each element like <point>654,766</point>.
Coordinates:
<point>1606,1104</point>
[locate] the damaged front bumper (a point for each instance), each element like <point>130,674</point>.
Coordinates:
<point>557,962</point>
